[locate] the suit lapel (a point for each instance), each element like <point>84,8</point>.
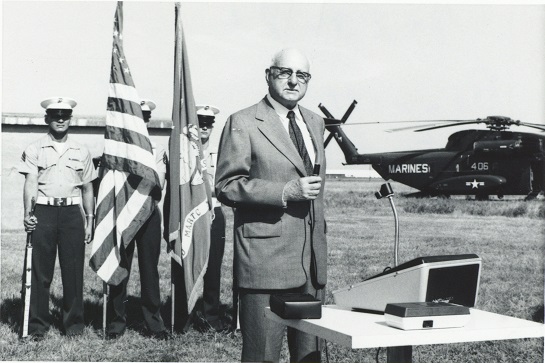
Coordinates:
<point>271,127</point>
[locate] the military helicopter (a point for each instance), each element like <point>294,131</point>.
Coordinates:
<point>473,162</point>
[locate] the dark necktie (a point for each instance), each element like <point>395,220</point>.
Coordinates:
<point>297,138</point>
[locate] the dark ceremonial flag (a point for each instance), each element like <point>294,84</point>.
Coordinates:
<point>188,202</point>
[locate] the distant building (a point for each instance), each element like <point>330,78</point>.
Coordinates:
<point>335,175</point>
<point>367,173</point>
<point>19,129</point>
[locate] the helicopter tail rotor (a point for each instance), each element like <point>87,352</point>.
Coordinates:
<point>333,125</point>
<point>331,120</point>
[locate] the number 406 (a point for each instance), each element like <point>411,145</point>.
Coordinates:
<point>480,166</point>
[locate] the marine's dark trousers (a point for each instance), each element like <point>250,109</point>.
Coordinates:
<point>212,277</point>
<point>148,242</point>
<point>62,228</point>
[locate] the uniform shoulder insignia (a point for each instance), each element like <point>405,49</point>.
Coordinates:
<point>23,156</point>
<point>165,158</point>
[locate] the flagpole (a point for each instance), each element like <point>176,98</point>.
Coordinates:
<point>172,298</point>
<point>104,307</point>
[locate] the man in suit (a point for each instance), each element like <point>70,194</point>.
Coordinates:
<point>265,166</point>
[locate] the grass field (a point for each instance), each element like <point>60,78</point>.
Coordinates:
<point>509,236</point>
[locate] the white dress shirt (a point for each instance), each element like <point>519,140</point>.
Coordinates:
<point>283,115</point>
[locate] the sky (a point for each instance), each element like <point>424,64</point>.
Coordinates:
<point>398,61</point>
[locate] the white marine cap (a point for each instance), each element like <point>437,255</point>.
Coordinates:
<point>206,110</point>
<point>147,105</point>
<point>58,103</point>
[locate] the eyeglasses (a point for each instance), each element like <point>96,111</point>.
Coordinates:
<point>58,118</point>
<point>284,73</point>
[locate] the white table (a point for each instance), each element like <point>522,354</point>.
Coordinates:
<point>365,330</point>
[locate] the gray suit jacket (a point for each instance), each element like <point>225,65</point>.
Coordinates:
<point>275,247</point>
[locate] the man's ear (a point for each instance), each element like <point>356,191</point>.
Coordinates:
<point>267,73</point>
<point>46,119</point>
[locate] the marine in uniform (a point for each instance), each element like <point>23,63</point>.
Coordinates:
<point>58,174</point>
<point>212,318</point>
<point>148,242</point>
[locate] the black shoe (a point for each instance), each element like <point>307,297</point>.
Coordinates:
<point>220,326</point>
<point>38,337</point>
<point>161,335</point>
<point>114,335</point>
<point>74,335</point>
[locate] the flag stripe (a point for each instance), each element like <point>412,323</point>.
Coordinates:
<point>119,136</point>
<point>134,207</point>
<point>111,267</point>
<point>119,90</point>
<point>103,229</point>
<point>99,252</point>
<point>128,163</point>
<point>105,197</point>
<point>125,106</point>
<point>127,121</point>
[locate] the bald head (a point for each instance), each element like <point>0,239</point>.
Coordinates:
<point>288,55</point>
<point>288,76</point>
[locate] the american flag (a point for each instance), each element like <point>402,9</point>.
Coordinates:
<point>130,177</point>
<point>188,200</point>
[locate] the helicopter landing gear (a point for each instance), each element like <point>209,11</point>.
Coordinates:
<point>533,195</point>
<point>481,197</point>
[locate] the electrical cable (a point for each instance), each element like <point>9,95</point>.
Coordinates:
<point>303,251</point>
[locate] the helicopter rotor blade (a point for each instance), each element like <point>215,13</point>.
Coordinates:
<point>325,111</point>
<point>534,126</point>
<point>491,122</point>
<point>327,140</point>
<point>330,121</point>
<point>329,118</point>
<point>349,111</point>
<point>336,122</point>
<point>407,128</point>
<point>450,125</point>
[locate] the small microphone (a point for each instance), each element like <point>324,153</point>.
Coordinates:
<point>316,170</point>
